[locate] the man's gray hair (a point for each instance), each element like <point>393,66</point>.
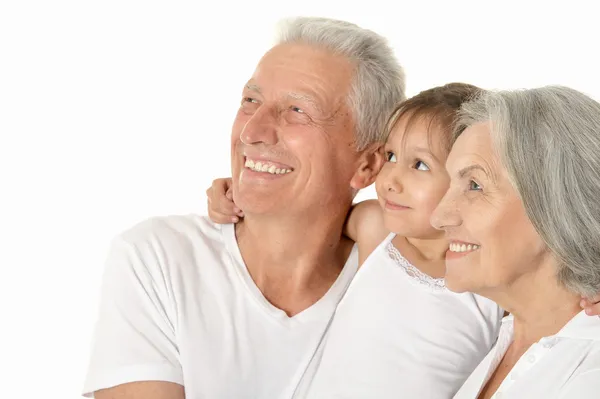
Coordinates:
<point>378,84</point>
<point>549,140</point>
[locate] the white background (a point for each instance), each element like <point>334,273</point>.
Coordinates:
<point>114,111</point>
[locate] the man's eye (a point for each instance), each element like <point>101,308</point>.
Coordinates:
<point>420,165</point>
<point>297,109</point>
<point>391,157</point>
<point>250,100</point>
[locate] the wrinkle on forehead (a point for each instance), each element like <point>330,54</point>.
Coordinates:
<point>304,70</point>
<point>475,147</point>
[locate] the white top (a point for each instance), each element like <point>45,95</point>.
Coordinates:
<point>563,366</point>
<point>399,333</point>
<point>179,305</point>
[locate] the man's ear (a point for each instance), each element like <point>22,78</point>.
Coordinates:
<point>369,163</point>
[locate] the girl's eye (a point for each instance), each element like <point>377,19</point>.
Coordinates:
<point>391,157</point>
<point>474,186</point>
<point>420,165</point>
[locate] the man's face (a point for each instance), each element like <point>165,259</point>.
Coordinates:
<point>292,144</point>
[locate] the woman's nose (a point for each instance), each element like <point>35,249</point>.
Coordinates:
<point>446,213</point>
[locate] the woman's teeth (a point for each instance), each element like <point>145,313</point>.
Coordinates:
<point>458,247</point>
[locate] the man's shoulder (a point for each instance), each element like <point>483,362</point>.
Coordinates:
<point>172,239</point>
<point>173,245</point>
<point>172,229</point>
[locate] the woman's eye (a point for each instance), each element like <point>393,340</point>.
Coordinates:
<point>420,165</point>
<point>474,186</point>
<point>391,157</point>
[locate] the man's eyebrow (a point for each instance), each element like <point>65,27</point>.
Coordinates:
<point>307,98</point>
<point>253,87</point>
<point>293,95</point>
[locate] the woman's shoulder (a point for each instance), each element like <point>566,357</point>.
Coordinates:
<point>585,382</point>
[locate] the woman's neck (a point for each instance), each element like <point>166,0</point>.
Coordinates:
<point>540,305</point>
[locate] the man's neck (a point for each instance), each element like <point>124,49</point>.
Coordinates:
<point>540,305</point>
<point>293,260</point>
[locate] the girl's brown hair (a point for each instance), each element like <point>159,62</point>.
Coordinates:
<point>439,105</point>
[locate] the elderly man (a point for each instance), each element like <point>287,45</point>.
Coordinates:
<point>193,309</point>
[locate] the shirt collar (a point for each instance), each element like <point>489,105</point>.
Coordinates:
<point>581,326</point>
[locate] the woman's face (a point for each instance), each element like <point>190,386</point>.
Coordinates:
<point>493,245</point>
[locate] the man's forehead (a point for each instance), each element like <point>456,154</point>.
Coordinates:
<point>294,92</point>
<point>304,64</point>
<point>295,52</point>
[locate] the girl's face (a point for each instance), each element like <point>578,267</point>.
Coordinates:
<point>414,179</point>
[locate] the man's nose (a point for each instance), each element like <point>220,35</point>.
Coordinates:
<point>261,128</point>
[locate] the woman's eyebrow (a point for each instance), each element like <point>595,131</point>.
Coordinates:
<point>464,171</point>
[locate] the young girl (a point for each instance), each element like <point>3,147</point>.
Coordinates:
<point>398,332</point>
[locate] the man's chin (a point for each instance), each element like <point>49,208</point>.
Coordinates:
<point>257,203</point>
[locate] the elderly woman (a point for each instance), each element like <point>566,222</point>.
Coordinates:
<point>523,219</point>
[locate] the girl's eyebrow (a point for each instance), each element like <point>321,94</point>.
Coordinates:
<point>425,150</point>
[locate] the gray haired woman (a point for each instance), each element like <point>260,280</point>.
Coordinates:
<point>523,219</point>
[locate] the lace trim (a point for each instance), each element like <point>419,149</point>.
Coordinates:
<point>420,277</point>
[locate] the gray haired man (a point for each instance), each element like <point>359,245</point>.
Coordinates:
<point>198,310</point>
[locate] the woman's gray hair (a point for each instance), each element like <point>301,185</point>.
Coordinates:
<point>378,84</point>
<point>549,141</point>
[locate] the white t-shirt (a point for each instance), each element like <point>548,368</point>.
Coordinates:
<point>179,305</point>
<point>399,333</point>
<point>563,366</point>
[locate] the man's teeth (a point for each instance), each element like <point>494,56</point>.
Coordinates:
<point>265,167</point>
<point>455,247</point>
